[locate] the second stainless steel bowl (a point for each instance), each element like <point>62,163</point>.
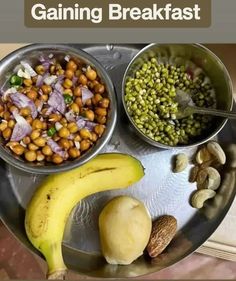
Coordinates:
<point>201,57</point>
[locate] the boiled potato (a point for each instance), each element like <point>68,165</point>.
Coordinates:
<point>125,227</point>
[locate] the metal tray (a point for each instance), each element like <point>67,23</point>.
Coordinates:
<point>162,191</point>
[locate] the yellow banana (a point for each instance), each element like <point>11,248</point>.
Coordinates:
<point>50,206</point>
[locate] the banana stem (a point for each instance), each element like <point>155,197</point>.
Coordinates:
<point>56,266</point>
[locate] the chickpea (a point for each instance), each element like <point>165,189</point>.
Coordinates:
<point>71,143</point>
<point>104,103</point>
<point>52,69</point>
<point>77,138</point>
<point>37,103</point>
<point>32,94</point>
<point>88,102</point>
<point>64,143</point>
<point>33,147</point>
<point>85,134</point>
<point>72,127</point>
<point>26,140</point>
<point>89,114</point>
<point>11,124</point>
<point>1,108</point>
<point>35,134</point>
<point>83,79</point>
<point>45,126</point>
<point>68,92</point>
<point>40,156</point>
<point>78,73</point>
<point>94,137</point>
<point>18,149</point>
<point>44,98</point>
<point>7,115</point>
<point>60,72</point>
<point>79,102</point>
<point>91,74</point>
<point>46,89</point>
<point>40,69</point>
<point>11,144</point>
<point>90,84</point>
<point>7,133</point>
<point>29,119</point>
<point>57,159</point>
<point>25,111</point>
<point>28,82</point>
<point>64,122</point>
<point>67,83</point>
<point>47,150</point>
<point>78,92</point>
<point>13,108</point>
<point>30,156</point>
<point>96,99</point>
<point>40,142</point>
<point>101,119</point>
<point>56,137</point>
<point>3,126</point>
<point>64,133</point>
<point>74,107</point>
<point>69,74</point>
<point>54,117</point>
<point>99,88</point>
<point>101,111</point>
<point>37,124</point>
<point>73,152</point>
<point>71,65</point>
<point>99,130</point>
<point>85,145</point>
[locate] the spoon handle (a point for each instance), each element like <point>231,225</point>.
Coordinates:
<point>214,112</point>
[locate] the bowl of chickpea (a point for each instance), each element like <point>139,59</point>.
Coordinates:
<point>58,108</point>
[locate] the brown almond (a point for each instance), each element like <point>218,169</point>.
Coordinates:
<point>163,231</point>
<point>193,174</point>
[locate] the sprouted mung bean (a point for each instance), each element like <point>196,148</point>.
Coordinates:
<point>150,101</point>
<point>51,111</point>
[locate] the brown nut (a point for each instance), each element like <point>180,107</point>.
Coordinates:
<point>163,231</point>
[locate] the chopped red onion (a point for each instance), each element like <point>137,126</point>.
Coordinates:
<point>74,80</point>
<point>21,129</point>
<point>41,79</point>
<point>67,58</point>
<point>57,101</point>
<point>86,94</point>
<point>58,87</point>
<point>28,68</point>
<point>40,106</point>
<point>50,79</point>
<point>8,92</point>
<point>71,137</point>
<point>90,125</point>
<point>57,149</point>
<point>20,100</point>
<point>23,74</point>
<point>77,144</point>
<point>46,62</point>
<point>81,122</point>
<point>58,126</point>
<point>49,111</point>
<point>70,116</point>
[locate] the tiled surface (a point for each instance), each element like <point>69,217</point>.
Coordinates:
<point>16,262</point>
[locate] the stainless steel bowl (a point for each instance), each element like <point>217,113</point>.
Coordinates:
<point>180,54</point>
<point>31,53</point>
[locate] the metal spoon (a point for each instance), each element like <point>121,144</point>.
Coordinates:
<point>187,107</point>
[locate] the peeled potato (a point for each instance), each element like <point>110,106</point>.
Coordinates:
<point>125,228</point>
